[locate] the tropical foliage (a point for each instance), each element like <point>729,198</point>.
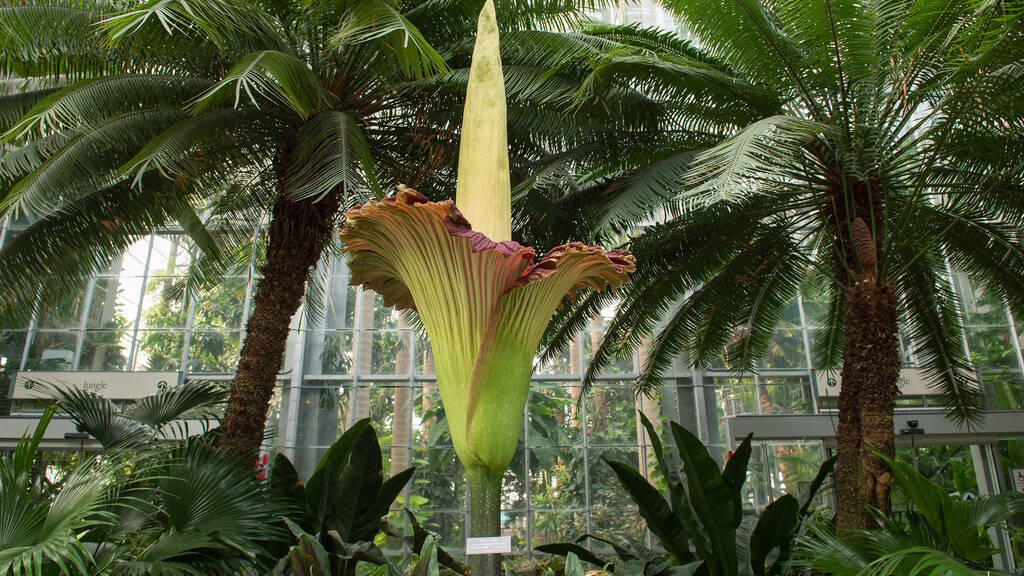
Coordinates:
<point>936,534</point>
<point>844,151</point>
<point>249,125</point>
<point>138,507</point>
<point>702,525</point>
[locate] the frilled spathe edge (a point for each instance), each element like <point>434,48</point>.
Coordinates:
<point>518,264</point>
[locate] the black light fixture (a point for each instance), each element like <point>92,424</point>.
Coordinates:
<point>912,430</point>
<point>78,434</point>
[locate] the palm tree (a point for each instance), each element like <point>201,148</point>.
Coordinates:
<point>850,151</point>
<point>222,115</point>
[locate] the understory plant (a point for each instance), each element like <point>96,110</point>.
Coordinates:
<point>177,507</point>
<point>339,512</point>
<point>702,526</point>
<point>938,534</point>
<point>484,299</point>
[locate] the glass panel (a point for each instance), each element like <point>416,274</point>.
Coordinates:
<point>557,478</point>
<point>54,351</point>
<point>549,526</point>
<point>438,483</point>
<point>158,350</point>
<point>340,303</point>
<point>554,416</point>
<point>592,339</point>
<point>951,467</point>
<point>162,306</point>
<point>329,352</point>
<point>213,351</point>
<point>756,490</point>
<point>786,350</point>
<point>611,415</point>
<point>736,395</point>
<point>605,490</point>
<point>1004,391</point>
<point>794,465</point>
<point>222,307</point>
<point>513,486</point>
<point>171,255</point>
<point>104,350</point>
<point>390,352</point>
<point>624,522</point>
<point>384,317</point>
<point>424,356</point>
<point>786,395</point>
<point>12,344</point>
<point>981,308</point>
<point>321,411</point>
<point>992,349</point>
<point>114,304</point>
<point>563,363</point>
<point>391,412</point>
<point>429,428</point>
<point>65,313</point>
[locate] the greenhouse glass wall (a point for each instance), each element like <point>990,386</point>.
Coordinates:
<point>349,358</point>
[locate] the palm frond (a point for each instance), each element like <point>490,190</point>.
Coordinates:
<point>268,76</point>
<point>100,418</point>
<point>230,26</point>
<point>80,239</point>
<point>88,161</point>
<point>758,159</point>
<point>934,322</point>
<point>193,399</point>
<point>89,102</point>
<point>399,40</point>
<point>52,40</point>
<point>331,152</point>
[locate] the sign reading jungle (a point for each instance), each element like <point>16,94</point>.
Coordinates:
<point>112,385</point>
<point>912,382</point>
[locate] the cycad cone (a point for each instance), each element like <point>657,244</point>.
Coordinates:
<point>483,190</point>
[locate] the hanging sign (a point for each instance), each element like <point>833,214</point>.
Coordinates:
<point>30,385</point>
<point>912,382</point>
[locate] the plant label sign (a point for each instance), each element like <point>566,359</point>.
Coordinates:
<point>489,545</point>
<point>1017,479</point>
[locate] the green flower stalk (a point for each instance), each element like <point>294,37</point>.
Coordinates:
<point>484,299</point>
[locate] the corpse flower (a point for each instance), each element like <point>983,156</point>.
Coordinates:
<point>484,299</point>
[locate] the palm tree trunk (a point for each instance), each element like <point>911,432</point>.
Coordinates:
<point>871,368</point>
<point>298,231</point>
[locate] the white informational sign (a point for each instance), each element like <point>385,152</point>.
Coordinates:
<point>112,385</point>
<point>491,545</point>
<point>1017,479</point>
<point>912,382</point>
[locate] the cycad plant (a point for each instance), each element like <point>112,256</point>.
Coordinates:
<point>249,124</point>
<point>843,150</point>
<point>937,534</point>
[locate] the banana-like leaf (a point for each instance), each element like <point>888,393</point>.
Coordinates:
<point>735,474</point>
<point>711,499</point>
<point>655,511</point>
<point>774,530</point>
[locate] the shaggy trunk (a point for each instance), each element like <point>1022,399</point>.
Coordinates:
<point>871,367</point>
<point>855,211</point>
<point>298,231</point>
